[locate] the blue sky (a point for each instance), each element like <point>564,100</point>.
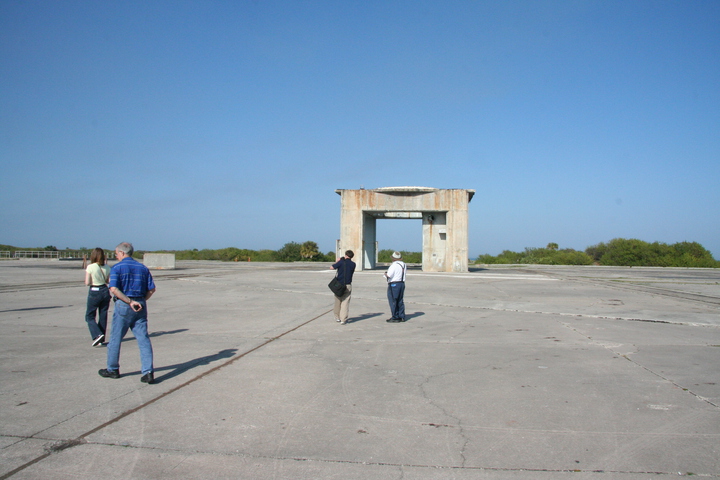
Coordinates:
<point>211,124</point>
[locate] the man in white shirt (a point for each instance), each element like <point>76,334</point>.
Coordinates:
<point>395,276</point>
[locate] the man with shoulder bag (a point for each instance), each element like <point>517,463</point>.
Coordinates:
<point>345,268</point>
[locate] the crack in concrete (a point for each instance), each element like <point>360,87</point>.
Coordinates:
<point>614,350</point>
<point>707,300</point>
<point>562,314</point>
<point>458,422</point>
<point>401,466</point>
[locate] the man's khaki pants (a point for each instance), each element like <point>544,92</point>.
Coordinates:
<point>341,310</point>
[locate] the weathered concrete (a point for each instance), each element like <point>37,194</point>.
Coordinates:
<point>159,261</point>
<point>502,373</point>
<point>444,214</point>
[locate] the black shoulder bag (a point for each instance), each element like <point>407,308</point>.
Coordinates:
<point>337,287</point>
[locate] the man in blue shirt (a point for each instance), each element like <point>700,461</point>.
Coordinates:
<point>132,284</point>
<point>345,268</point>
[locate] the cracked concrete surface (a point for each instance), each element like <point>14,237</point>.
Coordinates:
<point>501,373</point>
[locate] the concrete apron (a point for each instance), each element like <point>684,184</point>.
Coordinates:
<point>500,373</point>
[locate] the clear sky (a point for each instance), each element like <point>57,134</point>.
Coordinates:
<point>211,124</point>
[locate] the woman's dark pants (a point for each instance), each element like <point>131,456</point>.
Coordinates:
<point>98,302</point>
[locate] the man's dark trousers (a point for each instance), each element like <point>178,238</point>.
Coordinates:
<point>395,293</point>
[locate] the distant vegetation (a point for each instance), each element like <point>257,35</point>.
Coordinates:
<point>385,256</point>
<point>617,252</point>
<point>290,252</point>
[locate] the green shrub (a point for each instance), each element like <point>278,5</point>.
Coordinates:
<point>549,255</point>
<point>385,256</point>
<point>628,252</point>
<point>596,251</point>
<point>487,259</point>
<point>263,256</point>
<point>633,252</point>
<point>290,252</point>
<point>692,254</point>
<point>568,257</point>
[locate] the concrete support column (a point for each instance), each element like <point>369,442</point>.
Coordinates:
<point>351,229</point>
<point>435,245</point>
<point>457,222</point>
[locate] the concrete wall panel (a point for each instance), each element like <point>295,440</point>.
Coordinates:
<point>159,261</point>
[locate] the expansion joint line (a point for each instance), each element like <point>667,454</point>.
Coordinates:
<point>627,357</point>
<point>707,300</point>
<point>684,389</point>
<point>81,439</point>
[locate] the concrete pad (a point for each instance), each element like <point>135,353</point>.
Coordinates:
<point>500,373</point>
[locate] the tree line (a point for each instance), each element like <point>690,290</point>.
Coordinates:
<point>617,252</point>
<point>290,252</point>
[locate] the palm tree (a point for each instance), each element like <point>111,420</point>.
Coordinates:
<point>308,250</point>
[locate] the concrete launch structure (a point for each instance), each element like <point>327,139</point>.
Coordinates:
<point>444,215</point>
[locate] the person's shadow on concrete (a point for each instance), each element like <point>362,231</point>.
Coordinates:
<point>365,316</point>
<point>180,368</point>
<point>170,332</point>
<point>477,269</point>
<point>31,308</point>
<point>408,316</point>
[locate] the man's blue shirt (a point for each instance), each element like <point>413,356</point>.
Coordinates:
<point>345,269</point>
<point>131,277</point>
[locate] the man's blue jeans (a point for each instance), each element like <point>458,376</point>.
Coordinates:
<point>395,294</point>
<point>125,318</point>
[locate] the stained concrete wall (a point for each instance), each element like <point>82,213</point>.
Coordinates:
<point>444,214</point>
<point>159,261</point>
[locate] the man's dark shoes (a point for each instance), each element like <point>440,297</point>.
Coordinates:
<point>104,372</point>
<point>393,320</point>
<point>148,378</point>
<point>98,340</point>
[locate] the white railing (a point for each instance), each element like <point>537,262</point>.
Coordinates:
<point>44,254</point>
